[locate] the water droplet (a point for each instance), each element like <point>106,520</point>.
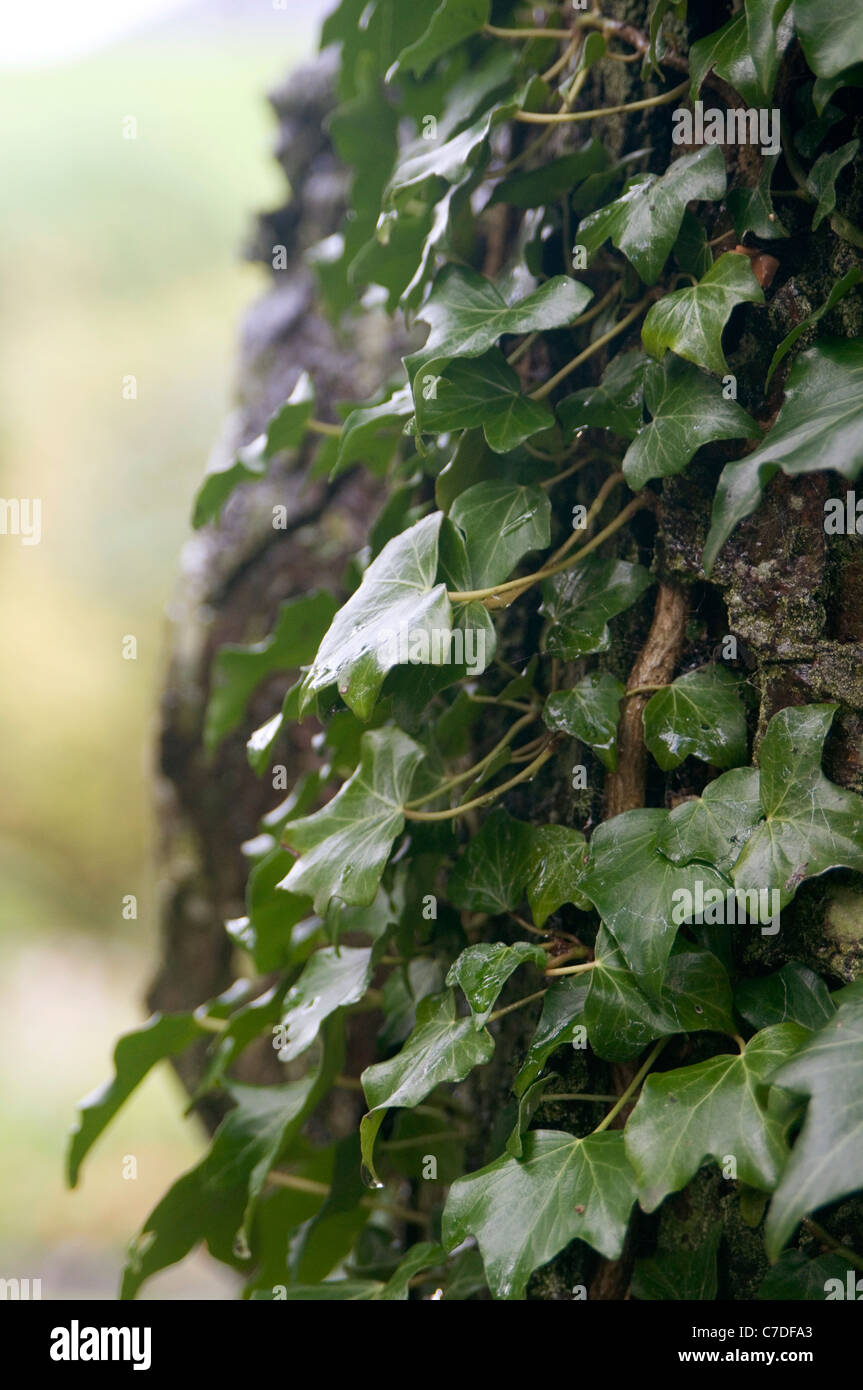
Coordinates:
<point>369,1178</point>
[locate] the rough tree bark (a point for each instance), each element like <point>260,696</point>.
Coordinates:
<point>792,597</point>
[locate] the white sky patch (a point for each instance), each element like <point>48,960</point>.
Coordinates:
<point>55,31</point>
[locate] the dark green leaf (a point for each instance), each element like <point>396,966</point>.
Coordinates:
<point>562,1014</point>
<point>831,35</point>
<point>492,874</point>
<point>453,22</point>
<point>332,979</point>
<point>557,857</point>
<point>690,321</point>
<point>554,180</point>
<point>793,994</point>
<point>589,712</point>
<point>482,971</point>
<point>615,404</point>
<point>501,523</point>
<point>688,1275</point>
<point>714,827</point>
<point>840,288</point>
<point>699,715</point>
<point>579,603</point>
<point>821,181</point>
<point>485,393</point>
<point>752,209</point>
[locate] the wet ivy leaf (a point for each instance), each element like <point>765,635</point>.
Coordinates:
<point>766,41</point>
<point>485,393</point>
<point>136,1053</point>
<point>827,1159</point>
<point>557,855</point>
<point>345,846</point>
<point>690,321</point>
<point>715,826</point>
<point>482,971</point>
<point>687,410</point>
<point>423,1256</point>
<point>529,1102</point>
<point>398,594</point>
<point>590,711</point>
<point>691,249</point>
<point>793,994</point>
<point>452,23</point>
<point>522,1212</point>
<point>726,51</point>
<point>492,874</point>
<point>688,1275</point>
<point>831,35</point>
<point>441,1048</point>
<point>698,715</point>
<point>821,181</point>
<point>752,208</point>
<point>554,180</point>
<point>285,430</point>
<point>501,523</point>
<point>710,1110</point>
<point>615,404</point>
<point>839,290</point>
<point>620,1018</point>
<point>644,221</point>
<point>657,46</point>
<point>562,1015</point>
<point>238,670</point>
<point>631,886</point>
<point>580,602</point>
<point>810,824</point>
<point>467,314</point>
<point>328,1238</point>
<point>332,979</point>
<point>795,1278</point>
<point>363,426</point>
<point>819,427</point>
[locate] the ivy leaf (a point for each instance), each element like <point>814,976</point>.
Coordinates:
<point>500,522</point>
<point>453,22</point>
<point>819,427</point>
<point>552,181</point>
<point>363,425</point>
<point>562,1013</point>
<point>492,874</point>
<point>332,979</point>
<point>522,1212</point>
<point>579,603</point>
<point>238,670</point>
<point>136,1053</point>
<point>715,826</point>
<point>285,430</point>
<point>621,1020</point>
<point>398,594</point>
<point>795,1279</point>
<point>644,221</point>
<point>810,825</point>
<point>690,321</point>
<point>345,846</point>
<point>752,208</point>
<point>615,404</point>
<point>657,45</point>
<point>631,885</point>
<point>821,181</point>
<point>557,855</point>
<point>831,35</point>
<point>712,1110</point>
<point>688,410</point>
<point>590,711</point>
<point>827,1159</point>
<point>485,392</point>
<point>688,1275</point>
<point>441,1048</point>
<point>793,994</point>
<point>763,20</point>
<point>699,715</point>
<point>726,51</point>
<point>839,290</point>
<point>483,970</point>
<point>467,314</point>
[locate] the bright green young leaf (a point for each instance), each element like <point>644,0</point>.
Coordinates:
<point>631,886</point>
<point>492,874</point>
<point>580,602</point>
<point>827,1159</point>
<point>485,392</point>
<point>441,1048</point>
<point>501,523</point>
<point>713,1109</point>
<point>285,430</point>
<point>452,23</point>
<point>621,1020</point>
<point>644,221</point>
<point>822,179</point>
<point>345,846</point>
<point>793,994</point>
<point>831,35</point>
<point>752,208</point>
<point>839,290</point>
<point>562,1015</point>
<point>398,595</point>
<point>615,404</point>
<point>715,826</point>
<point>523,1211</point>
<point>482,970</point>
<point>690,321</point>
<point>590,711</point>
<point>238,670</point>
<point>557,857</point>
<point>699,715</point>
<point>687,409</point>
<point>333,978</point>
<point>810,825</point>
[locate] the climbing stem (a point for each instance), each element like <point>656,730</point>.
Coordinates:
<point>572,969</point>
<point>460,777</point>
<point>547,387</point>
<point>519,1004</point>
<point>632,1087</point>
<point>454,811</point>
<point>551,118</point>
<point>596,507</point>
<point>321,427</point>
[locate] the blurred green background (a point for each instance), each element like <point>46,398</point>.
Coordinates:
<point>119,257</point>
